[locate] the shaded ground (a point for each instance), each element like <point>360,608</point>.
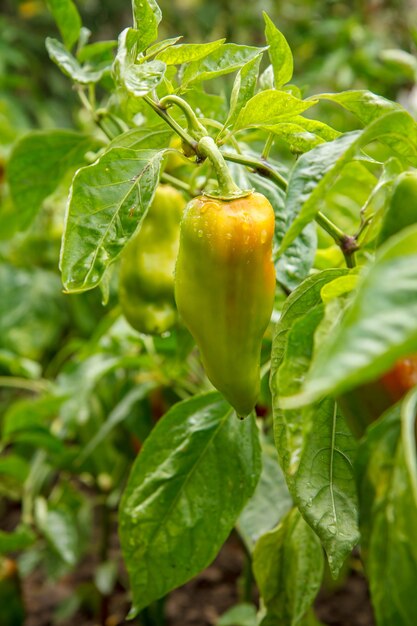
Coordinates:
<point>198,603</point>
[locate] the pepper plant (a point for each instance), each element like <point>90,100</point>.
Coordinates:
<point>218,121</point>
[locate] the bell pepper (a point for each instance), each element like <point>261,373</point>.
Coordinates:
<point>146,280</point>
<point>224,289</point>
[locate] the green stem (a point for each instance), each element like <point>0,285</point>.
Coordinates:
<point>195,128</point>
<point>257,166</point>
<point>176,182</point>
<point>84,100</point>
<point>267,146</point>
<point>185,136</point>
<point>346,243</point>
<point>92,95</point>
<point>227,187</point>
<point>330,228</point>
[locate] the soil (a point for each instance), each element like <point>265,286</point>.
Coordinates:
<point>198,603</point>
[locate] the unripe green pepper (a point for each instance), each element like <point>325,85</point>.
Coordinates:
<point>401,210</point>
<point>224,289</point>
<point>146,282</point>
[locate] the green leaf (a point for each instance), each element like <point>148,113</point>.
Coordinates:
<point>139,138</point>
<point>178,508</point>
<point>161,45</point>
<point>14,466</point>
<point>146,18</point>
<point>99,51</point>
<point>377,329</point>
<point>301,133</point>
<point>314,445</point>
<point>68,20</point>
<point>279,53</point>
<point>270,107</point>
<point>69,65</point>
<point>39,162</point>
<point>316,448</point>
<point>295,264</point>
<point>243,88</point>
<point>32,314</point>
<point>108,201</point>
<point>119,413</point>
<point>388,495</point>
<point>316,172</point>
<point>226,59</point>
<point>367,106</point>
<point>288,568</point>
<point>137,79</point>
<point>306,297</point>
<point>268,505</point>
<point>20,539</point>
<point>240,615</point>
<point>188,52</point>
<point>400,61</point>
<point>308,183</point>
<point>59,527</point>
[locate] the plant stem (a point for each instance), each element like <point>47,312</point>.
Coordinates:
<point>185,136</point>
<point>258,166</point>
<point>267,146</point>
<point>195,128</point>
<point>176,182</point>
<point>330,228</point>
<point>346,243</point>
<point>227,187</point>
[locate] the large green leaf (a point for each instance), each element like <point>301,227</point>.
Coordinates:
<point>39,162</point>
<point>318,448</point>
<point>314,445</point>
<point>378,328</point>
<point>188,485</point>
<point>387,471</point>
<point>270,502</point>
<point>288,567</point>
<point>108,201</point>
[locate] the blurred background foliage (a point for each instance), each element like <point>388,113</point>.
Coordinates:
<point>336,46</point>
<point>67,353</point>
